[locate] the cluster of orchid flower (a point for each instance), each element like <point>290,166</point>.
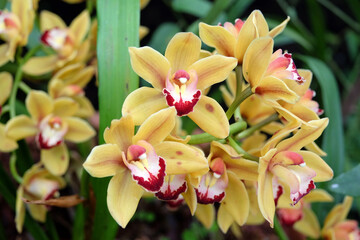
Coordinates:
<point>264,163</point>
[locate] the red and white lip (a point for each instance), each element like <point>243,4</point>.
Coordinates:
<point>173,186</point>
<point>8,21</point>
<point>52,132</point>
<point>56,38</point>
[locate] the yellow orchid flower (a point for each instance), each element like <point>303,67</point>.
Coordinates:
<point>15,27</point>
<point>223,183</point>
<point>233,40</point>
<point>51,122</point>
<point>287,165</point>
<point>6,144</point>
<point>69,43</point>
<point>38,184</point>
<point>69,82</point>
<point>178,80</point>
<point>142,162</point>
<point>337,227</point>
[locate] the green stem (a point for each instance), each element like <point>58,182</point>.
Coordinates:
<point>239,150</point>
<point>90,5</point>
<point>18,77</point>
<point>279,230</point>
<point>258,126</point>
<point>206,137</point>
<point>25,88</point>
<point>13,170</point>
<point>238,99</point>
<point>5,109</point>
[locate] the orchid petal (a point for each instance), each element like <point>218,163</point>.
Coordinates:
<point>21,127</point>
<point>49,20</point>
<point>205,214</point>
<point>80,26</point>
<point>40,65</point>
<point>308,224</point>
<point>300,89</point>
<point>322,169</point>
<point>181,158</point>
<point>190,198</point>
<point>86,109</point>
<point>65,107</point>
<point>157,127</point>
<point>19,209</point>
<point>39,105</point>
<point>273,88</point>
<point>219,38</point>
<point>143,102</point>
<point>302,112</point>
<point>4,56</point>
<point>37,212</point>
<point>210,117</point>
<point>6,144</point>
<point>212,70</point>
<point>257,59</point>
<point>183,50</point>
<point>211,189</point>
<point>279,28</point>
<point>224,218</point>
<point>150,65</point>
<point>5,86</point>
<point>123,196</point>
<point>318,195</point>
<point>338,213</point>
<point>120,132</point>
<point>78,130</point>
<point>56,159</point>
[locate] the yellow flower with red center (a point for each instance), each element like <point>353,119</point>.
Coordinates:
<point>179,80</point>
<point>52,123</point>
<point>233,40</point>
<point>141,163</point>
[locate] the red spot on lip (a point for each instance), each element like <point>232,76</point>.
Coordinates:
<point>182,107</point>
<point>209,107</point>
<point>179,152</point>
<point>278,194</point>
<point>178,163</point>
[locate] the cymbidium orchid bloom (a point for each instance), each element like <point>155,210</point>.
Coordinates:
<point>6,144</point>
<point>179,80</point>
<point>223,183</point>
<point>300,216</point>
<point>337,227</point>
<point>142,162</point>
<point>15,27</point>
<point>287,166</point>
<point>68,43</point>
<point>51,122</point>
<point>38,184</point>
<point>70,82</point>
<point>233,40</point>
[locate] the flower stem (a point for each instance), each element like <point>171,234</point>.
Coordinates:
<point>4,109</point>
<point>239,150</point>
<point>25,88</point>
<point>258,126</point>
<point>279,230</point>
<point>13,170</point>
<point>206,137</point>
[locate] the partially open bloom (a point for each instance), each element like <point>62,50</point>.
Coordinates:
<point>6,144</point>
<point>15,27</point>
<point>287,166</point>
<point>233,40</point>
<point>179,80</point>
<point>52,123</point>
<point>38,184</point>
<point>69,43</point>
<point>337,227</point>
<point>140,162</point>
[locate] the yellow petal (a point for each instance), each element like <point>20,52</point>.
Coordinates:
<point>19,209</point>
<point>313,161</point>
<point>20,127</point>
<point>219,38</point>
<point>224,218</point>
<point>80,26</point>
<point>143,102</point>
<point>279,28</point>
<point>338,213</point>
<point>255,26</point>
<point>120,132</point>
<point>25,11</point>
<point>40,65</point>
<point>190,198</point>
<point>143,31</point>
<point>257,59</point>
<point>123,196</point>
<point>236,199</point>
<point>38,212</point>
<point>5,86</point>
<point>150,65</point>
<point>313,147</point>
<point>212,70</point>
<point>39,105</point>
<point>78,130</point>
<point>183,50</point>
<point>273,88</point>
<point>86,109</point>
<point>210,117</point>
<point>4,58</point>
<point>49,20</point>
<point>305,114</point>
<point>300,89</point>
<point>205,214</point>
<point>56,159</point>
<point>318,195</point>
<point>308,224</point>
<point>65,107</point>
<point>304,136</point>
<point>181,158</point>
<point>6,144</point>
<point>104,161</point>
<point>157,127</point>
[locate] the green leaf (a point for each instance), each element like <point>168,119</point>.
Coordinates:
<point>2,4</point>
<point>333,138</point>
<point>347,183</point>
<point>216,9</point>
<point>237,10</point>
<point>162,36</point>
<point>198,8</point>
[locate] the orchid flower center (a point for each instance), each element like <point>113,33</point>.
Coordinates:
<point>52,132</point>
<point>292,68</point>
<point>8,21</point>
<point>60,40</point>
<point>234,29</point>
<point>41,188</point>
<point>72,91</point>
<point>181,92</point>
